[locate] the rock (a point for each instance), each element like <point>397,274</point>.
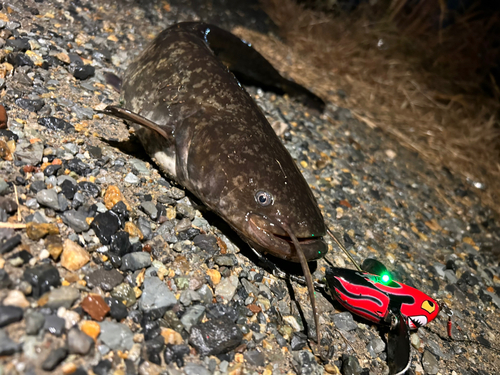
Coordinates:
<point>228,260</point>
<point>150,208</point>
<point>194,369</point>
<point>116,336</point>
<point>215,336</point>
<point>112,196</point>
<point>29,153</point>
<point>344,321</point>
<point>118,310</point>
<point>192,316</point>
<point>56,124</point>
<point>73,256</point>
<point>227,288</point>
<point>299,341</point>
<point>105,225</point>
<point>7,346</point>
<point>106,280</point>
<point>350,365</point>
<point>54,246</point>
<point>255,358</point>
<point>135,261</point>
<point>91,328</point>
<point>307,364</point>
<point>55,357</point>
<point>78,342</point>
<point>54,325</point>
<point>68,188</point>
<point>430,363</point>
<point>89,189</point>
<point>41,278</point>
<point>156,295</point>
<point>176,353</point>
<point>63,296</point>
<point>4,279</point>
<point>131,179</point>
<point>48,198</point>
<point>16,298</point>
<point>71,317</point>
<point>95,306</point>
<point>83,71</point>
<point>36,231</point>
<point>34,322</point>
<point>9,315</point>
<point>103,367</point>
<point>77,220</point>
<point>125,294</point>
<point>207,243</point>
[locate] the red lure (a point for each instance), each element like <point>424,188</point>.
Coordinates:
<point>378,299</point>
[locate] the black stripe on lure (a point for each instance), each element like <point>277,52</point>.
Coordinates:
<point>203,129</point>
<point>372,294</point>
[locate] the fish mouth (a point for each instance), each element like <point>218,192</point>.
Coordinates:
<point>415,322</point>
<point>272,239</point>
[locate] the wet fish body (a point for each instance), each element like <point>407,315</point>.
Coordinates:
<point>206,132</point>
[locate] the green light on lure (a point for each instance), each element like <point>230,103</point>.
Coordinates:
<point>386,278</point>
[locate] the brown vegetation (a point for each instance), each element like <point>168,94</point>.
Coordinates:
<point>404,73</point>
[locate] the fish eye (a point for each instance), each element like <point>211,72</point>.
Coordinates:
<point>263,198</point>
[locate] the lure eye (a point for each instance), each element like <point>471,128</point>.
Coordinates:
<point>263,198</point>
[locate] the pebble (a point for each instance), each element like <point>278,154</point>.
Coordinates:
<point>106,280</point>
<point>78,342</point>
<point>71,317</point>
<point>105,225</point>
<point>37,231</point>
<point>192,316</point>
<point>16,298</point>
<point>91,328</point>
<point>77,220</point>
<point>194,369</point>
<point>95,306</point>
<point>150,208</point>
<point>131,178</point>
<point>55,357</point>
<point>9,315</point>
<point>54,245</point>
<point>83,72</point>
<point>350,365</point>
<point>307,364</point>
<point>215,336</point>
<point>41,278</point>
<point>116,336</point>
<point>344,321</point>
<point>156,295</point>
<point>255,358</point>
<point>73,256</point>
<point>54,325</point>
<point>118,310</point>
<point>135,261</point>
<point>34,322</point>
<point>227,287</point>
<point>48,198</point>
<point>56,124</point>
<point>29,153</point>
<point>375,347</point>
<point>430,363</point>
<point>139,167</point>
<point>63,296</point>
<point>7,345</point>
<point>125,293</point>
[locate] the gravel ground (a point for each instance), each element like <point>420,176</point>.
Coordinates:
<point>118,271</point>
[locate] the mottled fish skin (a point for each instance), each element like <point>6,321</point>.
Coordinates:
<point>222,148</point>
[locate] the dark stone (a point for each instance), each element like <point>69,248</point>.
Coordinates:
<point>18,44</point>
<point>79,167</point>
<point>215,336</point>
<point>19,59</point>
<point>207,242</point>
<point>105,225</point>
<point>32,105</point>
<point>350,365</point>
<point>7,245</point>
<point>120,243</point>
<point>103,367</point>
<point>55,357</point>
<point>9,135</point>
<point>9,315</point>
<point>54,325</point>
<point>154,348</point>
<point>54,123</point>
<point>5,281</point>
<point>37,186</point>
<point>120,210</point>
<point>89,188</point>
<point>95,152</point>
<point>83,72</point>
<point>176,353</point>
<point>255,358</point>
<point>68,188</point>
<point>23,254</point>
<point>51,170</point>
<point>41,278</point>
<point>7,346</point>
<point>106,280</point>
<point>299,341</point>
<point>118,309</point>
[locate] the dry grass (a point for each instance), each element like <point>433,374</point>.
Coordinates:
<point>403,74</point>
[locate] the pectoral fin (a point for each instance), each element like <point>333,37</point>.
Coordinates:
<point>165,131</point>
